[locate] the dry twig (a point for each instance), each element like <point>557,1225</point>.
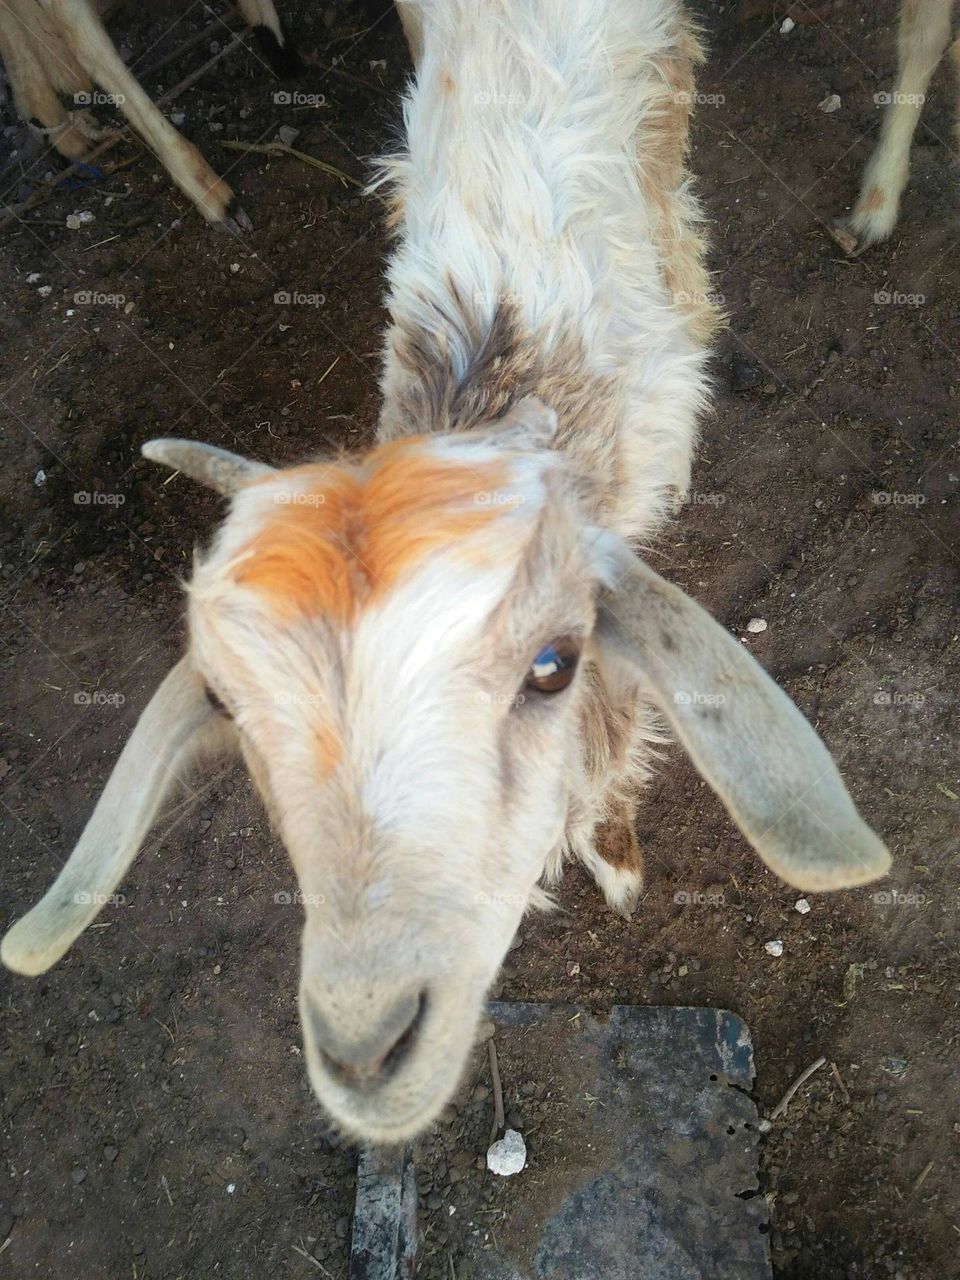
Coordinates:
<point>310,1258</point>
<point>498,1116</point>
<point>839,1079</point>
<point>784,1102</point>
<point>281,149</point>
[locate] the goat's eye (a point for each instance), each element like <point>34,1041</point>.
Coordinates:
<point>554,666</point>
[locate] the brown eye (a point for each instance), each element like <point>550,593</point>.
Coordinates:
<point>554,666</point>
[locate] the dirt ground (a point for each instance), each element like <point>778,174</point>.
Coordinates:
<point>156,1121</point>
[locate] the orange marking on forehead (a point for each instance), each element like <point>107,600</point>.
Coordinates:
<point>350,535</point>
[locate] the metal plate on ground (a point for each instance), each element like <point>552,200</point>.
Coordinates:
<point>661,1183</point>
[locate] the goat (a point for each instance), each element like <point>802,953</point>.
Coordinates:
<point>923,35</point>
<point>442,659</point>
<point>60,47</point>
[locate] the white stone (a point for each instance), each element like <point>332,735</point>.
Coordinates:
<point>801,905</point>
<point>756,625</point>
<point>829,104</point>
<point>786,26</point>
<point>773,948</point>
<point>507,1156</point>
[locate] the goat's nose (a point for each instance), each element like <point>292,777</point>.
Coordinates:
<point>373,1052</point>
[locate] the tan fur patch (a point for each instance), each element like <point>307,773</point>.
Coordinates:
<point>661,157</point>
<point>872,201</point>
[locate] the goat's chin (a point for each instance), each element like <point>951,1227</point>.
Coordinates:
<point>407,1103</point>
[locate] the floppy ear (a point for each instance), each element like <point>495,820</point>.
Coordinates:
<point>177,723</point>
<point>216,468</point>
<point>748,740</point>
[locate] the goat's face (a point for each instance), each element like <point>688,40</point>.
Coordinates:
<point>397,645</point>
<point>394,646</point>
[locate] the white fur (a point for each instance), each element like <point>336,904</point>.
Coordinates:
<point>534,196</point>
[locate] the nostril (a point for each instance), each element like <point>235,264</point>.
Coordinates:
<point>405,1041</point>
<point>377,1054</point>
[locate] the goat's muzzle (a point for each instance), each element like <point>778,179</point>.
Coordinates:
<point>365,1060</point>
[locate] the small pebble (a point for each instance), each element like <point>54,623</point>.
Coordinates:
<point>801,905</point>
<point>829,104</point>
<point>288,135</point>
<point>773,948</point>
<point>507,1156</point>
<point>786,26</point>
<point>756,625</point>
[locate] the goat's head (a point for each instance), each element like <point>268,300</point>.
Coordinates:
<point>393,642</point>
